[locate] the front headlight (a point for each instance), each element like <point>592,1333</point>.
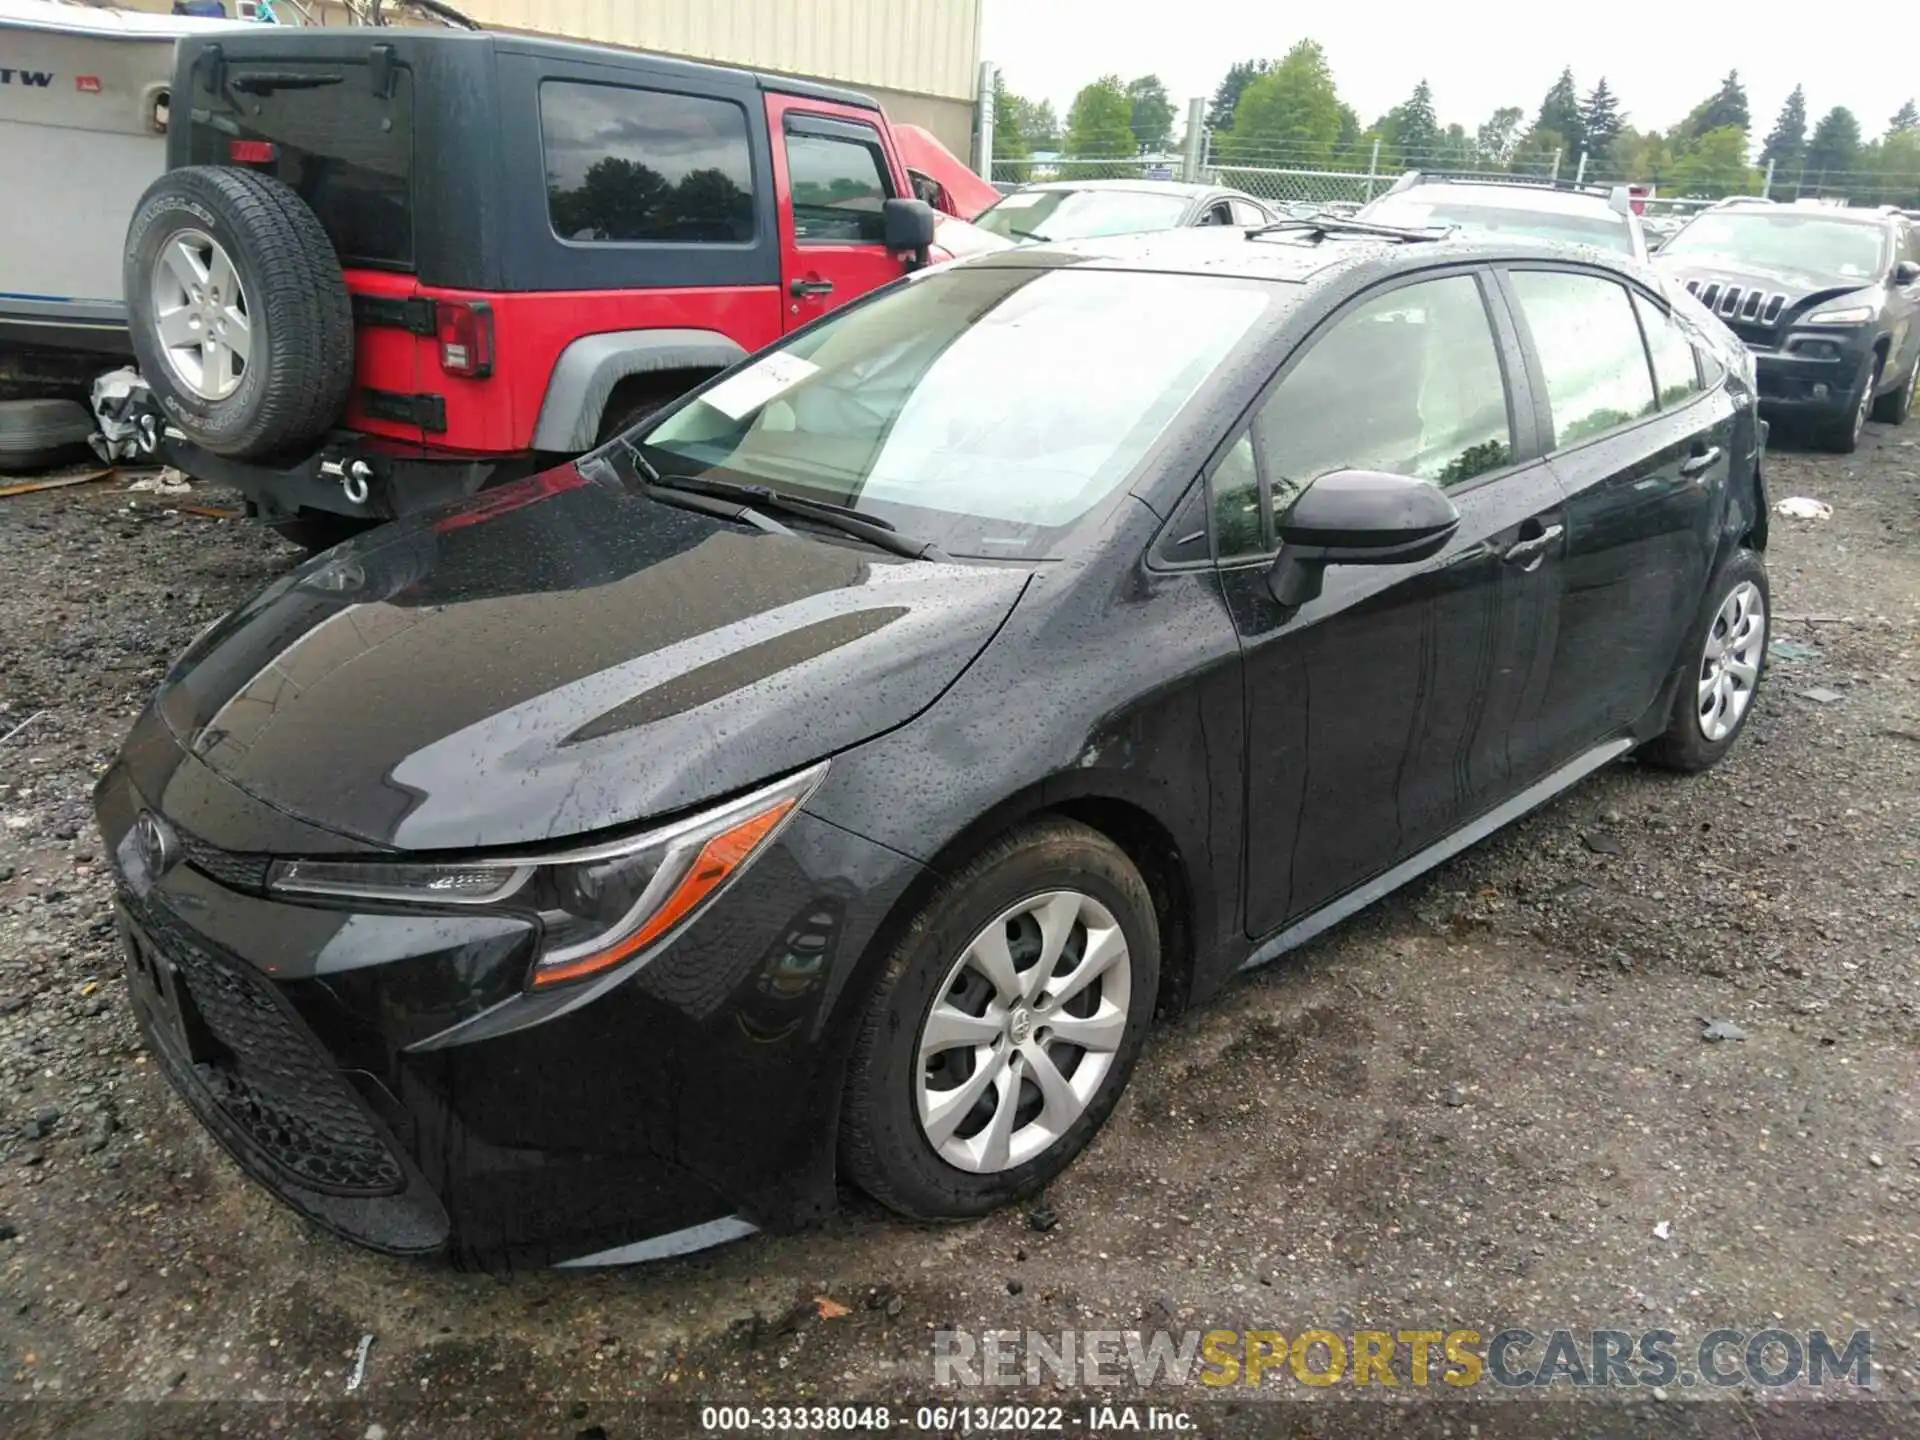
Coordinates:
<point>1851,315</point>
<point>599,906</point>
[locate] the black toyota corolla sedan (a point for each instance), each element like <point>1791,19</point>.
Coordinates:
<point>831,778</point>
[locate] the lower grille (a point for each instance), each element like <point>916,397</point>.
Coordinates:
<point>268,1079</point>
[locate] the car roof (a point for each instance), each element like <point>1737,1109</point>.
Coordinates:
<point>1852,215</point>
<point>1184,188</point>
<point>1291,257</point>
<point>1495,196</point>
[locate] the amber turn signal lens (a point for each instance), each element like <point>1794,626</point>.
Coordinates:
<point>718,859</point>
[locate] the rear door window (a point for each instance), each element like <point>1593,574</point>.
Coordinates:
<point>1676,364</point>
<point>1245,212</point>
<point>838,175</point>
<point>319,127</point>
<point>630,166</point>
<point>1590,350</point>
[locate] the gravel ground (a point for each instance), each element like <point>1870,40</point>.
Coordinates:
<point>1486,1102</point>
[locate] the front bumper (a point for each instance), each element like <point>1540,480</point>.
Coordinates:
<point>1810,382</point>
<point>387,1074</point>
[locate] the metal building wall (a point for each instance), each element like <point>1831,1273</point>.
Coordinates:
<point>923,47</point>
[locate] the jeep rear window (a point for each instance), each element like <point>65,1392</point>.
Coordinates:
<point>318,126</point>
<point>646,166</point>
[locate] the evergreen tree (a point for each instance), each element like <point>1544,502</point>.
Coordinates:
<point>1559,119</point>
<point>1153,112</point>
<point>1904,119</point>
<point>1834,151</point>
<point>1226,96</point>
<point>1411,128</point>
<point>1601,122</point>
<point>1786,146</point>
<point>1725,109</point>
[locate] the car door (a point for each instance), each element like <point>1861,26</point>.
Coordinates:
<point>1399,704</point>
<point>1249,213</point>
<point>1644,473</point>
<point>834,174</point>
<point>1906,305</point>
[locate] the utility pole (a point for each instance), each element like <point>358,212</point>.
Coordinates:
<point>1556,165</point>
<point>1373,166</point>
<point>1580,172</point>
<point>1196,138</point>
<point>983,122</point>
<point>1766,185</point>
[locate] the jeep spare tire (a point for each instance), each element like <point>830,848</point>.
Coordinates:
<point>240,316</point>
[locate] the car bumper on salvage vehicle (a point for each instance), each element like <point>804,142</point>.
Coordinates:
<point>389,1075</point>
<point>358,476</point>
<point>1808,381</point>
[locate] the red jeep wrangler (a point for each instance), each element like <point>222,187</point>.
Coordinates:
<point>386,268</point>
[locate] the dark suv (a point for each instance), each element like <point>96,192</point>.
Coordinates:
<point>386,268</point>
<point>1828,300</point>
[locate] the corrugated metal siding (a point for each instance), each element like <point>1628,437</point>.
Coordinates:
<point>929,47</point>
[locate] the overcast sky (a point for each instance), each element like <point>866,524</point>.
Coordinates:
<point>1661,60</point>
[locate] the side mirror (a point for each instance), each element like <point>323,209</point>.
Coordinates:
<point>1907,272</point>
<point>1358,517</point>
<point>909,228</point>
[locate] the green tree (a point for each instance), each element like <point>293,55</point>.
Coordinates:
<point>1495,142</point>
<point>1010,147</point>
<point>1643,155</point>
<point>1904,119</point>
<point>1100,124</point>
<point>1898,167</point>
<point>1715,164</point>
<point>1411,131</point>
<point>1226,95</point>
<point>1601,122</point>
<point>1834,151</point>
<point>1152,113</point>
<point>1292,114</point>
<point>1724,109</point>
<point>1036,122</point>
<point>1786,146</point>
<point>1558,125</point>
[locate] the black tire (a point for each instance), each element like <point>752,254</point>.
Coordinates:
<point>1894,408</point>
<point>883,1149</point>
<point>1684,745</point>
<point>1841,434</point>
<point>300,369</point>
<point>632,403</point>
<point>36,434</point>
<point>314,531</point>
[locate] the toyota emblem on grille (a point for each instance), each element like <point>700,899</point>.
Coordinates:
<point>159,847</point>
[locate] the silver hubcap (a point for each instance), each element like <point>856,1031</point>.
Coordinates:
<point>1023,1032</point>
<point>201,314</point>
<point>1730,668</point>
<point>1866,401</point>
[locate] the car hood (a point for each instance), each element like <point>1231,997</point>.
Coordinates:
<point>563,656</point>
<point>1799,287</point>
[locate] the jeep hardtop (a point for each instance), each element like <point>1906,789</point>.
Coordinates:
<point>384,269</point>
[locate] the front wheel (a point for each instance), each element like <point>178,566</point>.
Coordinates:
<point>1727,656</point>
<point>1842,433</point>
<point>1005,1026</point>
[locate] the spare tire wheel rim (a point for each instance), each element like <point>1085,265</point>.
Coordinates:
<point>201,314</point>
<point>1023,1032</point>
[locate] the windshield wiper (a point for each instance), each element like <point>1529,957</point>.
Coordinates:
<point>653,488</point>
<point>1020,234</point>
<point>1324,225</point>
<point>845,519</point>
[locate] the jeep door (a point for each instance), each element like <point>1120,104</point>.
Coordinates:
<point>1402,703</point>
<point>834,170</point>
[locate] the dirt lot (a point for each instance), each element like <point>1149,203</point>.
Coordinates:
<point>1487,1102</point>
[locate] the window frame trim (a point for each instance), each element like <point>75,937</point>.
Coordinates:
<point>752,242</point>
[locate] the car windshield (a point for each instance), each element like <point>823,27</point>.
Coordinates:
<point>1608,231</point>
<point>1784,240</point>
<point>1081,214</point>
<point>986,409</point>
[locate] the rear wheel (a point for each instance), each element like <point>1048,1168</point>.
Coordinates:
<point>1728,653</point>
<point>1005,1026</point>
<point>238,311</point>
<point>1895,408</point>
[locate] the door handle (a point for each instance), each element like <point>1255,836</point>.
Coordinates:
<point>1699,464</point>
<point>807,289</point>
<point>1530,552</point>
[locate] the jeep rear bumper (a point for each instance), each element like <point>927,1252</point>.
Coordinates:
<point>358,476</point>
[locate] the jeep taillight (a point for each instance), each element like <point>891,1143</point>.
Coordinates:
<point>465,328</point>
<point>251,152</point>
